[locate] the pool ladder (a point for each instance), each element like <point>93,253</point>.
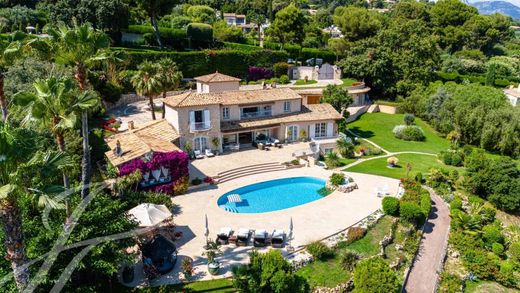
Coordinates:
<point>229,209</point>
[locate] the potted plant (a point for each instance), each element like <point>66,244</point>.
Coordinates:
<point>303,135</point>
<point>392,162</point>
<point>211,252</point>
<point>187,268</point>
<point>189,149</point>
<point>216,144</point>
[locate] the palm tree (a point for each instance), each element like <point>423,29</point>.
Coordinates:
<point>147,82</point>
<point>7,56</point>
<point>170,78</point>
<point>81,47</point>
<point>15,147</point>
<point>55,105</point>
<point>345,147</point>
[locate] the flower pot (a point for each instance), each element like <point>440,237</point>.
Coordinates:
<point>213,268</point>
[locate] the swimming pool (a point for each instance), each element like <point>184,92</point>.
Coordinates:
<point>273,195</point>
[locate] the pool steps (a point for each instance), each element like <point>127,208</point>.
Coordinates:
<point>249,170</point>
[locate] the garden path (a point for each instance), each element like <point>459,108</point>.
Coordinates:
<point>424,272</point>
<point>387,153</point>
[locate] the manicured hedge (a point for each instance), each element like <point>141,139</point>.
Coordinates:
<point>195,63</point>
<point>176,38</point>
<point>500,81</point>
<point>299,53</point>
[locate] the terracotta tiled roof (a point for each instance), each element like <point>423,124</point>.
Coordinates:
<point>314,112</point>
<point>153,136</point>
<point>190,99</point>
<point>216,77</point>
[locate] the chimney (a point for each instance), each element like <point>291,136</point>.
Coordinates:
<point>131,125</point>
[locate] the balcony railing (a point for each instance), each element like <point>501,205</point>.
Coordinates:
<point>200,126</point>
<point>264,113</point>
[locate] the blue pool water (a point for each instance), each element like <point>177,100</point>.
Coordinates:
<point>273,195</point>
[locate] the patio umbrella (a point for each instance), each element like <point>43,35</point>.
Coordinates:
<point>148,214</point>
<point>290,229</point>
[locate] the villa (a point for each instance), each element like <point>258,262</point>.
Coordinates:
<point>238,20</point>
<point>219,116</point>
<point>513,95</point>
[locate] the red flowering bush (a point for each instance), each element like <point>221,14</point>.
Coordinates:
<point>176,162</point>
<point>209,180</point>
<point>257,73</point>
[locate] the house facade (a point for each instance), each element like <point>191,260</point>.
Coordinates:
<point>219,116</point>
<point>513,95</point>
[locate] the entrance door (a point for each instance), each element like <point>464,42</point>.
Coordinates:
<point>292,133</point>
<point>245,138</point>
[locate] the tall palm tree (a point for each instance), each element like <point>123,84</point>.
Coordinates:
<point>55,104</point>
<point>170,78</point>
<point>147,82</point>
<point>15,149</point>
<point>82,47</point>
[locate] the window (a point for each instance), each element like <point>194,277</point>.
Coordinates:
<point>320,129</point>
<point>287,106</point>
<point>200,143</point>
<point>225,113</point>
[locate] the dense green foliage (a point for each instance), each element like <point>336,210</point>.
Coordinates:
<point>319,250</point>
<point>269,272</point>
<point>481,114</point>
<point>391,206</point>
<point>374,275</point>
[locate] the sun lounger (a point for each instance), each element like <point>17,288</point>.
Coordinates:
<point>209,153</point>
<point>198,154</point>
<point>243,236</point>
<point>223,235</point>
<point>278,238</point>
<point>260,238</point>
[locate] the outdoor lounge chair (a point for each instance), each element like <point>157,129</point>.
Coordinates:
<point>278,238</point>
<point>198,154</point>
<point>260,238</point>
<point>223,235</point>
<point>209,153</point>
<point>243,236</point>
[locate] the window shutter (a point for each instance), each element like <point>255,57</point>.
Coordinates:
<point>206,118</point>
<point>330,129</point>
<point>312,129</point>
<point>192,119</point>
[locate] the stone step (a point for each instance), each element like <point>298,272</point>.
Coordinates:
<point>239,169</point>
<point>250,172</point>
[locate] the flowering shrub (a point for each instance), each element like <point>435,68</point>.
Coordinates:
<point>209,180</point>
<point>257,73</point>
<point>176,162</point>
<point>409,132</point>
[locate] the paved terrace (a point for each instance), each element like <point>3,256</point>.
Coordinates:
<point>231,160</point>
<point>312,221</point>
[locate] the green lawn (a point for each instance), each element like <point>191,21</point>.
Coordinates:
<point>215,286</point>
<point>420,163</point>
<point>486,286</point>
<point>302,82</point>
<point>348,81</point>
<point>327,273</point>
<point>330,273</point>
<point>378,127</point>
<point>369,245</point>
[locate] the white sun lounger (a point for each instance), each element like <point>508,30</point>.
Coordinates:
<point>223,235</point>
<point>209,153</point>
<point>278,238</point>
<point>243,236</point>
<point>260,237</point>
<point>198,154</point>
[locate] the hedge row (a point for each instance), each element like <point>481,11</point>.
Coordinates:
<point>299,53</point>
<point>500,81</point>
<point>175,38</point>
<point>195,63</point>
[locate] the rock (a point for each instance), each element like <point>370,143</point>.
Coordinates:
<point>455,254</point>
<point>399,247</point>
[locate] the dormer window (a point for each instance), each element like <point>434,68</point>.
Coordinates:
<point>287,106</point>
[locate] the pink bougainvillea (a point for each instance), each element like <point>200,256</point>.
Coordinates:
<point>176,162</point>
<point>257,73</point>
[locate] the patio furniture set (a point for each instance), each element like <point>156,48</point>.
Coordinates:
<point>259,237</point>
<point>207,153</point>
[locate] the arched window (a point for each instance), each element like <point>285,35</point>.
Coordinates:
<point>200,143</point>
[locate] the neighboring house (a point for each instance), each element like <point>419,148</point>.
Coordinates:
<point>237,20</point>
<point>333,31</point>
<point>323,72</point>
<point>358,91</point>
<point>513,95</point>
<point>218,112</point>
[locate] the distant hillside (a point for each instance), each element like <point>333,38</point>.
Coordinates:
<point>490,7</point>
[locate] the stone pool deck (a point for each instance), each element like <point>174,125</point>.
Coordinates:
<point>312,221</point>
